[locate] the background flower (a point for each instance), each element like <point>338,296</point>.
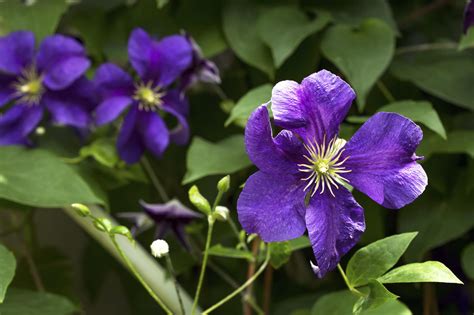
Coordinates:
<point>468,15</point>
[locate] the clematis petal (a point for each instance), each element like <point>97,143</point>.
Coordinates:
<point>16,51</point>
<point>272,205</point>
<point>468,15</point>
<point>175,104</point>
<point>6,90</point>
<point>18,122</point>
<point>261,147</point>
<point>289,143</point>
<point>61,60</point>
<point>169,58</point>
<point>154,133</point>
<point>334,225</point>
<point>111,80</point>
<point>315,108</point>
<point>111,108</point>
<point>129,142</point>
<point>139,51</point>
<point>382,160</point>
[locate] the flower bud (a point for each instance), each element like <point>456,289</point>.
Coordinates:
<point>122,230</point>
<point>159,248</point>
<point>103,224</point>
<point>81,209</point>
<point>224,184</point>
<point>199,201</point>
<point>221,213</point>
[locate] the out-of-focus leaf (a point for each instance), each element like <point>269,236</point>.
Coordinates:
<point>375,259</point>
<point>240,28</point>
<point>280,253</point>
<point>247,103</point>
<point>467,40</point>
<point>41,17</point>
<point>205,158</point>
<point>103,150</point>
<point>221,251</point>
<point>283,28</point>
<point>447,74</point>
<point>40,179</point>
<point>458,141</point>
<point>378,295</point>
<point>467,260</point>
<point>342,302</point>
<point>428,271</point>
<point>361,53</point>
<point>418,111</point>
<point>25,302</point>
<point>299,243</point>
<point>354,12</point>
<point>7,270</point>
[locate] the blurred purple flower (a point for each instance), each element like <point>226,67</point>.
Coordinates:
<point>48,79</point>
<point>469,15</point>
<point>307,159</point>
<point>158,64</point>
<point>200,69</point>
<point>172,215</point>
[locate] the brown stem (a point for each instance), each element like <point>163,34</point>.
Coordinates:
<point>423,11</point>
<point>430,304</point>
<point>250,273</point>
<point>267,289</point>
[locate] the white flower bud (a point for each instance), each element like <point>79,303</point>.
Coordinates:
<point>159,248</point>
<point>221,213</point>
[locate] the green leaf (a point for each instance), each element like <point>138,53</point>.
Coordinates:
<point>373,260</point>
<point>247,103</point>
<point>221,251</point>
<point>41,17</point>
<point>7,270</point>
<point>103,150</point>
<point>355,12</point>
<point>458,141</point>
<point>205,158</point>
<point>418,111</point>
<point>283,28</point>
<point>467,40</point>
<point>280,253</point>
<point>342,302</point>
<point>467,260</point>
<point>40,179</point>
<point>299,243</point>
<point>25,302</point>
<point>429,271</point>
<point>362,53</point>
<point>378,295</point>
<point>240,25</point>
<point>447,74</point>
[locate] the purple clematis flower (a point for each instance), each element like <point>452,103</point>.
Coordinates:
<point>303,171</point>
<point>158,64</point>
<point>48,79</point>
<point>468,15</point>
<point>172,215</point>
<point>200,69</point>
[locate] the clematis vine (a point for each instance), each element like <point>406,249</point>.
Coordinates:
<point>468,15</point>
<point>158,64</point>
<point>304,170</point>
<point>172,215</point>
<point>50,78</point>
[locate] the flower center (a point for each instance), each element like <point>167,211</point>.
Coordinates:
<point>29,87</point>
<point>324,166</point>
<point>149,98</point>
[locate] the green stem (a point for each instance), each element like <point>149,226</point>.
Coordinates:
<point>217,200</point>
<point>385,91</point>
<point>425,47</point>
<point>348,284</point>
<point>234,228</point>
<point>169,264</point>
<point>203,266</point>
<point>138,276</point>
<point>242,287</point>
<point>154,179</point>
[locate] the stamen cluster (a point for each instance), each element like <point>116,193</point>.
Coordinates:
<point>148,97</point>
<point>29,87</point>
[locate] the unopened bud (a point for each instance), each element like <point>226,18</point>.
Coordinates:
<point>159,248</point>
<point>122,230</point>
<point>221,213</point>
<point>81,209</point>
<point>199,201</point>
<point>224,184</point>
<point>40,131</point>
<point>103,224</point>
